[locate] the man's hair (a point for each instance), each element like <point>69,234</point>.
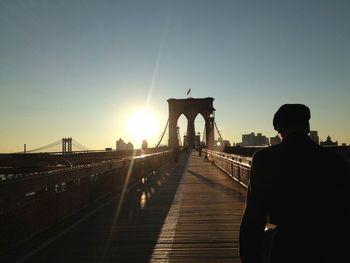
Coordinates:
<point>292,117</point>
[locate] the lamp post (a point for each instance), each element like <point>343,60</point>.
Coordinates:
<point>210,129</point>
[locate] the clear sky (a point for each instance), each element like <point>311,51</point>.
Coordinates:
<point>81,69</point>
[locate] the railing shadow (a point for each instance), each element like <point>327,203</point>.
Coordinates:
<point>220,187</point>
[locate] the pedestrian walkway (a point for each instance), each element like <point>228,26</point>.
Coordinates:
<point>203,222</point>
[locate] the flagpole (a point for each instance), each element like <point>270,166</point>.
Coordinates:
<point>189,92</point>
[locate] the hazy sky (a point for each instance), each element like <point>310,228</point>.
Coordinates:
<point>81,68</point>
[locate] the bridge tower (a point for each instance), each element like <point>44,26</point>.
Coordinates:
<point>66,145</point>
<point>191,108</point>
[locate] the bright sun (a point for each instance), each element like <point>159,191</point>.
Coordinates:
<point>142,125</point>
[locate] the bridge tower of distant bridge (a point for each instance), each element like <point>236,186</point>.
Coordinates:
<point>191,108</point>
<point>66,145</point>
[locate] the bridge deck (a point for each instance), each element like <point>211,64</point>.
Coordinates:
<point>188,212</point>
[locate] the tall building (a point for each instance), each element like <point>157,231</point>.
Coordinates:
<point>254,140</point>
<point>314,136</point>
<point>248,139</point>
<point>122,146</point>
<point>144,144</point>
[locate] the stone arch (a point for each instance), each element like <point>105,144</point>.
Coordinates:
<point>191,108</point>
<point>182,128</point>
<point>199,124</point>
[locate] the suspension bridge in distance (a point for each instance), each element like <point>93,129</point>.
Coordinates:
<point>191,108</point>
<point>171,204</point>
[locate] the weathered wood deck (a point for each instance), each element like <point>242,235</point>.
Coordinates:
<point>207,212</point>
<point>186,212</point>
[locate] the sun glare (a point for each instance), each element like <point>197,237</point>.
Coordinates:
<point>143,125</point>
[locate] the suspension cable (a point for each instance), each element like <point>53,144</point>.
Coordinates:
<point>79,145</point>
<point>161,138</point>
<point>218,130</point>
<point>45,147</point>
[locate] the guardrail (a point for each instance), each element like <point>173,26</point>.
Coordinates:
<point>238,167</point>
<point>34,203</point>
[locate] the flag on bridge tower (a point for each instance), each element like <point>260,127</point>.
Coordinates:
<point>189,91</point>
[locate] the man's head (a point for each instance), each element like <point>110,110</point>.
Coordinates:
<point>292,118</point>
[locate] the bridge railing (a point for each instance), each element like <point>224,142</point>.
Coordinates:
<point>32,204</point>
<point>238,167</point>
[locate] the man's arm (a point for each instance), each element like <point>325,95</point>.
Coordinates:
<point>254,217</point>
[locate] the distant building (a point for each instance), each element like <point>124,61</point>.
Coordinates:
<point>254,140</point>
<point>248,139</point>
<point>314,136</point>
<point>144,144</point>
<point>275,140</point>
<point>129,146</point>
<point>122,146</point>
<point>261,140</point>
<point>329,142</point>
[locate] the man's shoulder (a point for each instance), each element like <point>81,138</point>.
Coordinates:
<point>267,152</point>
<point>331,155</point>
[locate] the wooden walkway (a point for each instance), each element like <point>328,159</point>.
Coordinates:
<point>186,212</point>
<point>208,208</point>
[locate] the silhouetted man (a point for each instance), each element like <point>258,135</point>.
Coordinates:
<point>302,188</point>
<point>200,150</point>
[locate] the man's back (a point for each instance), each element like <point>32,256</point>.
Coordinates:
<point>302,188</point>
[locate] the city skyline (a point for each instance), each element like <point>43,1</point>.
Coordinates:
<point>120,144</point>
<point>83,69</point>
